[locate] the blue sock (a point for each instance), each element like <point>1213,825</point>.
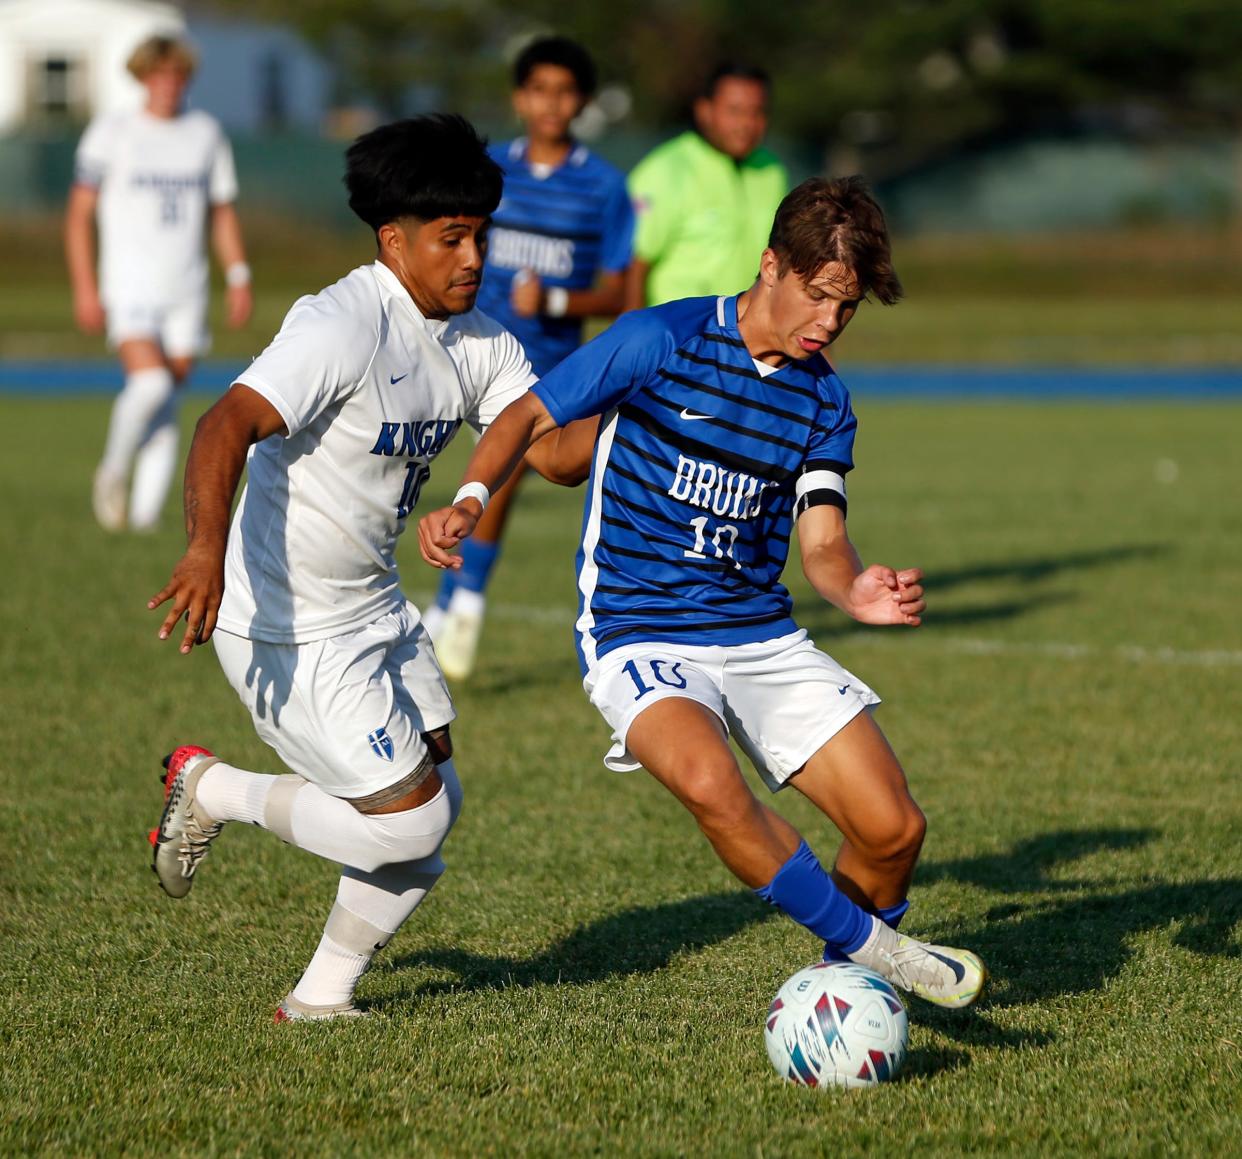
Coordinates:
<point>477,561</point>
<point>445,594</point>
<point>807,894</point>
<point>890,915</point>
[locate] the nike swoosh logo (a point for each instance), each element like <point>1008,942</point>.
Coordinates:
<point>959,971</point>
<point>393,380</point>
<point>690,416</point>
<point>843,689</point>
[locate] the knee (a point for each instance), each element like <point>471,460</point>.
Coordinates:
<point>714,791</point>
<point>901,839</point>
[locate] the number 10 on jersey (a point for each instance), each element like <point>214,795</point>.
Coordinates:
<point>722,538</point>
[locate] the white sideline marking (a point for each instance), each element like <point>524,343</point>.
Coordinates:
<point>964,645</point>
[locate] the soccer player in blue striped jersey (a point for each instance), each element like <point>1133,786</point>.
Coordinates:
<point>722,426</point>
<point>558,251</point>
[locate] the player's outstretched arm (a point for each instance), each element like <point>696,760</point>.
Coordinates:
<point>501,448</point>
<point>870,595</point>
<point>563,455</point>
<point>222,439</point>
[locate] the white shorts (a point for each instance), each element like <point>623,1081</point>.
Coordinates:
<point>781,699</point>
<point>179,327</point>
<point>347,712</point>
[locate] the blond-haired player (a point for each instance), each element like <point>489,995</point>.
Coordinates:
<point>157,180</point>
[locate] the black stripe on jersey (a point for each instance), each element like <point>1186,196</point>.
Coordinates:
<point>736,428</point>
<point>837,468</point>
<point>620,440</point>
<point>820,498</point>
<point>725,598</point>
<point>699,450</point>
<point>645,484</point>
<point>725,338</point>
<point>683,628</point>
<point>747,372</point>
<point>762,405</point>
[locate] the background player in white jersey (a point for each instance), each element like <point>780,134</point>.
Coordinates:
<point>338,421</point>
<point>723,424</point>
<point>156,178</point>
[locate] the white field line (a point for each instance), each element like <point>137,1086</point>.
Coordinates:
<point>961,645</point>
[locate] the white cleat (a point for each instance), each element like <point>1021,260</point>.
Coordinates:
<point>457,643</point>
<point>939,974</point>
<point>108,497</point>
<point>291,1010</point>
<point>185,833</point>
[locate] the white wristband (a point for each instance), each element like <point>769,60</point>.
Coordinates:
<point>556,302</point>
<point>473,491</point>
<point>238,274</point>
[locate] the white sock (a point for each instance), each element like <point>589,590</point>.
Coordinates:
<point>145,392</point>
<point>154,468</point>
<point>467,603</point>
<point>369,909</point>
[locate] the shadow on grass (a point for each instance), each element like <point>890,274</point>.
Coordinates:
<point>821,621</point>
<point>1048,947</point>
<point>636,941</point>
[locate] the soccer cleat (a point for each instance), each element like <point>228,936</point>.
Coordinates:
<point>291,1010</point>
<point>939,974</point>
<point>184,834</point>
<point>457,643</point>
<point>109,501</point>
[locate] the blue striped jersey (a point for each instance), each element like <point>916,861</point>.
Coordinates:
<point>567,225</point>
<point>702,463</point>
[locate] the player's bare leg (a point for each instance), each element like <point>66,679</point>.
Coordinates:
<point>856,779</point>
<point>682,744</point>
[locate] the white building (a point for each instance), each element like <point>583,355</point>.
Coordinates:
<point>64,60</point>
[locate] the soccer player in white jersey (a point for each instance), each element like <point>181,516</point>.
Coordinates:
<point>338,421</point>
<point>723,425</point>
<point>155,178</point>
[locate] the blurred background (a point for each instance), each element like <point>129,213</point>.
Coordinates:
<point>1064,178</point>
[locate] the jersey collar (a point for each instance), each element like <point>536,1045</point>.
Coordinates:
<point>436,327</point>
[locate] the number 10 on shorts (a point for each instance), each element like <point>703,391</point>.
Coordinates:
<point>666,672</point>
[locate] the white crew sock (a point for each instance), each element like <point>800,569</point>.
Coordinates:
<point>144,393</point>
<point>467,603</point>
<point>154,467</point>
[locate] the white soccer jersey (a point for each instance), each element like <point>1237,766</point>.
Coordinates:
<point>370,392</point>
<point>156,178</point>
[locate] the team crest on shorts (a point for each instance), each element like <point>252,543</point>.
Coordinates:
<point>381,744</point>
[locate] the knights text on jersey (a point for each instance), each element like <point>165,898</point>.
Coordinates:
<point>566,225</point>
<point>370,392</point>
<point>699,462</point>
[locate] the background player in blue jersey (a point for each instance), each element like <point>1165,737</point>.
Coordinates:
<point>723,425</point>
<point>557,254</point>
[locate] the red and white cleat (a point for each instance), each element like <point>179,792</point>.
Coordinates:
<point>185,833</point>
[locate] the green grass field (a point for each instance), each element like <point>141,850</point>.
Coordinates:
<point>587,978</point>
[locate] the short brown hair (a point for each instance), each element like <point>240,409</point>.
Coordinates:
<point>158,50</point>
<point>824,221</point>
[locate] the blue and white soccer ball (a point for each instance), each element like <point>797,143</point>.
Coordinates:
<point>837,1023</point>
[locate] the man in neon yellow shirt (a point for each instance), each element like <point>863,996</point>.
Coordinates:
<point>705,200</point>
